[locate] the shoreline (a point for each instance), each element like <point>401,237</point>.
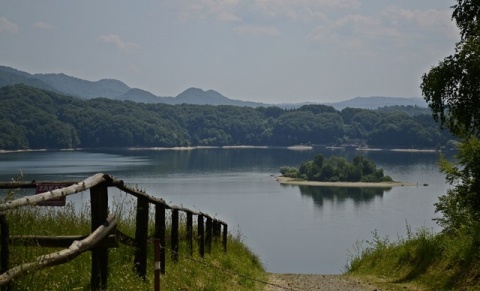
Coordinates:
<point>399,150</point>
<point>188,148</point>
<point>291,181</point>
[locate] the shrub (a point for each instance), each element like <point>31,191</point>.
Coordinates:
<point>290,172</point>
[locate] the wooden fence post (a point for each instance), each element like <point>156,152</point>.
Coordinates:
<point>141,237</point>
<point>160,228</point>
<point>217,229</point>
<point>156,272</point>
<point>190,232</point>
<point>208,235</point>
<point>225,237</point>
<point>201,235</point>
<point>175,235</point>
<point>4,252</point>
<point>99,209</point>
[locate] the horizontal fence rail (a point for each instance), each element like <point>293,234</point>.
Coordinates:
<point>63,256</point>
<point>104,230</point>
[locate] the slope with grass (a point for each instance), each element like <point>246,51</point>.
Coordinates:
<point>422,261</point>
<point>238,269</point>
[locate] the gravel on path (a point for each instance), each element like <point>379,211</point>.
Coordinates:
<point>302,282</point>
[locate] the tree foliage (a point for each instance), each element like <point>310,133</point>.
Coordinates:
<point>32,118</point>
<point>452,89</point>
<point>335,169</point>
<point>461,205</point>
<point>466,14</point>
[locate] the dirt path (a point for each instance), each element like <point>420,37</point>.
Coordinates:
<point>303,282</point>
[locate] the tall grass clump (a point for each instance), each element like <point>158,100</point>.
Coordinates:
<point>238,269</point>
<point>443,261</point>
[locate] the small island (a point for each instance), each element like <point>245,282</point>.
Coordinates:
<point>337,171</point>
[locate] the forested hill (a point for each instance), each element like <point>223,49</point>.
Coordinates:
<point>112,89</point>
<point>117,90</point>
<point>32,118</point>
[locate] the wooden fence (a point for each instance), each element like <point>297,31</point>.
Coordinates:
<point>104,230</point>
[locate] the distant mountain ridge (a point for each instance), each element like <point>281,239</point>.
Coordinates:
<point>115,89</point>
<point>108,88</point>
<point>373,102</point>
<point>191,96</point>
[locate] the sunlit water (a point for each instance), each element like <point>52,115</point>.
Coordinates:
<point>293,229</point>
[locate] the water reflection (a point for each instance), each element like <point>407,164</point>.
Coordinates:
<point>219,160</point>
<point>289,232</point>
<point>339,195</point>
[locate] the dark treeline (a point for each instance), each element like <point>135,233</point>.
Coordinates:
<point>32,118</point>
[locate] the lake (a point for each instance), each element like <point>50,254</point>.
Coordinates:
<point>292,229</point>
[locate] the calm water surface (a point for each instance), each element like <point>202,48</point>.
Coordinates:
<point>293,229</point>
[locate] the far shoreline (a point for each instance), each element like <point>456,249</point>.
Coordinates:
<point>296,182</point>
<point>188,148</point>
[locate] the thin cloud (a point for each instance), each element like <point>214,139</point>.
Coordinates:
<point>42,25</point>
<point>221,10</point>
<point>301,9</point>
<point>239,10</point>
<point>6,26</point>
<point>134,69</point>
<point>119,43</point>
<point>354,26</point>
<point>394,27</point>
<point>354,33</point>
<point>432,20</point>
<point>257,30</point>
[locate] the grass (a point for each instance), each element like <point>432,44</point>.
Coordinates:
<point>421,261</point>
<point>217,271</point>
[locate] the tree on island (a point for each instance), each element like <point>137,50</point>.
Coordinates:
<point>337,169</point>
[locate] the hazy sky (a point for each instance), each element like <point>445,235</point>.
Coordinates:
<point>257,50</point>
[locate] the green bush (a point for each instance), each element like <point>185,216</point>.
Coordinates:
<point>335,169</point>
<point>290,172</point>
